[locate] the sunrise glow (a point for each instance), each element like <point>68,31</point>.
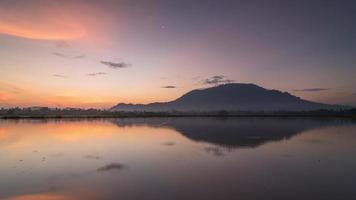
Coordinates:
<point>90,54</point>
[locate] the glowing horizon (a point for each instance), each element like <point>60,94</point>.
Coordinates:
<point>89,54</point>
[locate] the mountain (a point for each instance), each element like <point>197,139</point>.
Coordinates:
<point>230,97</point>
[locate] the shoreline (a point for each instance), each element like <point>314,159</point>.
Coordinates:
<point>179,116</point>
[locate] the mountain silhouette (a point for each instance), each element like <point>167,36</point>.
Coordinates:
<point>230,97</point>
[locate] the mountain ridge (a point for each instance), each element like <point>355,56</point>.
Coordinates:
<point>230,97</point>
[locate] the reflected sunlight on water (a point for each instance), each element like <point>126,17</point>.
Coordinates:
<point>177,158</point>
<point>41,197</point>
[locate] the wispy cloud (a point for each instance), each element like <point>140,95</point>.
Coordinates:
<point>169,86</point>
<point>39,20</point>
<point>59,54</point>
<point>59,76</point>
<point>311,89</point>
<point>111,167</point>
<point>216,80</point>
<point>96,74</point>
<point>68,56</point>
<point>169,143</point>
<point>93,157</point>
<point>115,65</point>
<point>79,56</point>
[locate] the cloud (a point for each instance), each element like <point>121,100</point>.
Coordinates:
<point>169,86</point>
<point>43,20</point>
<point>59,76</point>
<point>59,54</point>
<point>312,89</point>
<point>115,65</point>
<point>111,167</point>
<point>68,56</point>
<point>354,94</point>
<point>169,143</point>
<point>78,57</point>
<point>92,157</point>
<point>216,80</point>
<point>96,74</point>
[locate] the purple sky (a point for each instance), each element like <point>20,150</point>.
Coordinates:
<point>99,53</point>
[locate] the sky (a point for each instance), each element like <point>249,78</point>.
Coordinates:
<point>86,53</point>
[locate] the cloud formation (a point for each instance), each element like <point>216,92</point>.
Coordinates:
<point>42,20</point>
<point>312,89</point>
<point>59,76</point>
<point>217,80</point>
<point>115,65</point>
<point>96,74</point>
<point>59,54</point>
<point>92,157</point>
<point>68,56</point>
<point>78,56</point>
<point>111,167</point>
<point>169,86</point>
<point>169,143</point>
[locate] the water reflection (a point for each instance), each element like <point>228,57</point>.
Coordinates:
<point>178,158</point>
<point>41,197</point>
<point>234,133</point>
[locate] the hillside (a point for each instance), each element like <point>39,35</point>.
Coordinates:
<point>230,97</point>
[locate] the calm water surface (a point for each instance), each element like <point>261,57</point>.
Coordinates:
<point>178,158</point>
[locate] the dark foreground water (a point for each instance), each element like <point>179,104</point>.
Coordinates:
<point>178,158</point>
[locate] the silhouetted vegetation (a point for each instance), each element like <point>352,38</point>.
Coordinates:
<point>45,112</point>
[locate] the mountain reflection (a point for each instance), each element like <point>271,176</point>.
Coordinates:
<point>161,157</point>
<point>234,132</point>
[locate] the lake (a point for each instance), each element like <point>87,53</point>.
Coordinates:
<point>178,158</point>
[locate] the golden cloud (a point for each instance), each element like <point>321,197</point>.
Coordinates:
<point>43,20</point>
